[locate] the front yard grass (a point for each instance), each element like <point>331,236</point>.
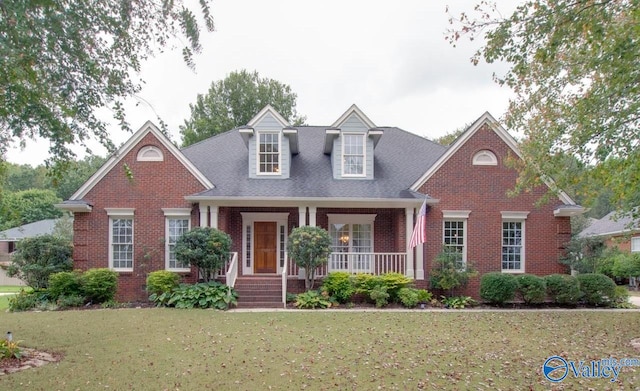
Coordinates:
<point>168,349</point>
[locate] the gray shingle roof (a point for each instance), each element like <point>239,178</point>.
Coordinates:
<point>400,158</point>
<point>609,225</point>
<point>42,227</point>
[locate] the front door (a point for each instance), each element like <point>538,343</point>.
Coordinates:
<point>265,247</point>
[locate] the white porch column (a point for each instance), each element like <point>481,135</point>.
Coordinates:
<point>408,212</point>
<point>204,216</point>
<point>312,216</point>
<point>420,261</point>
<point>213,212</point>
<point>302,216</point>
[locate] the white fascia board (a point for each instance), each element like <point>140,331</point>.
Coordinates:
<point>354,110</point>
<point>75,208</point>
<point>329,136</point>
<point>338,202</point>
<point>147,128</point>
<point>263,112</point>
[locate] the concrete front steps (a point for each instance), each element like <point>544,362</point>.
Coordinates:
<point>259,291</point>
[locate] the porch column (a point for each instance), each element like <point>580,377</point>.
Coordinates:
<point>213,212</point>
<point>312,216</point>
<point>302,216</point>
<point>204,216</point>
<point>408,212</point>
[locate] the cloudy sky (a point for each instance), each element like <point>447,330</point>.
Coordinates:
<point>389,58</point>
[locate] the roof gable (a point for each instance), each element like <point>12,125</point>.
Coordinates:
<point>494,125</point>
<point>147,128</point>
<point>354,114</point>
<point>265,113</point>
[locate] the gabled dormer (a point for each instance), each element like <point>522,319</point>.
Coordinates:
<point>270,142</point>
<point>351,142</point>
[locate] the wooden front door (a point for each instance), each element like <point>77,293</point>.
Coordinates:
<point>265,248</point>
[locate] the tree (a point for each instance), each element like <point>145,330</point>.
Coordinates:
<point>205,248</point>
<point>573,68</point>
<point>310,247</point>
<point>233,102</point>
<point>37,258</point>
<point>60,61</point>
<point>79,172</point>
<point>449,138</point>
<point>28,206</point>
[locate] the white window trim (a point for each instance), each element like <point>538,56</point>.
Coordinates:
<point>364,155</point>
<point>354,219</point>
<point>457,217</point>
<point>635,248</point>
<point>150,153</point>
<point>174,214</point>
<point>121,213</point>
<point>248,218</point>
<point>485,158</point>
<point>278,133</point>
<point>455,214</point>
<point>523,251</point>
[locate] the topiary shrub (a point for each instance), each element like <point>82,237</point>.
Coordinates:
<point>597,289</point>
<point>498,288</point>
<point>563,289</point>
<point>65,284</point>
<point>531,289</point>
<point>99,285</point>
<point>309,247</point>
<point>339,285</point>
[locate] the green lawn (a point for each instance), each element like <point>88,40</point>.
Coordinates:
<point>168,349</point>
<point>4,299</point>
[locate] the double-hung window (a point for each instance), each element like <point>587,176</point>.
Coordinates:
<point>353,154</point>
<point>351,243</point>
<point>454,235</point>
<point>513,241</point>
<point>269,153</point>
<point>177,223</point>
<point>120,238</point>
<point>635,244</point>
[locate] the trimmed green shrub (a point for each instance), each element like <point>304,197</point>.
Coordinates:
<point>563,289</point>
<point>210,294</point>
<point>339,285</point>
<point>379,295</point>
<point>498,288</point>
<point>205,248</point>
<point>99,285</point>
<point>161,281</point>
<point>65,284</point>
<point>311,300</point>
<point>408,297</point>
<point>424,296</point>
<point>309,247</point>
<point>394,282</point>
<point>532,289</point>
<point>364,283</point>
<point>597,289</point>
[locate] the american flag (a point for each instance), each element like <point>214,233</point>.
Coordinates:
<point>419,235</point>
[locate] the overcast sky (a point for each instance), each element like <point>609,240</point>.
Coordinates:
<point>389,58</point>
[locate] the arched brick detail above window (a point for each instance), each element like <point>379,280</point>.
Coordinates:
<point>485,158</point>
<point>150,153</point>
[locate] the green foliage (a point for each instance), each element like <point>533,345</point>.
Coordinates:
<point>37,258</point>
<point>573,69</point>
<point>532,289</point>
<point>364,283</point>
<point>424,296</point>
<point>10,349</point>
<point>379,295</point>
<point>393,282</point>
<point>448,273</point>
<point>498,288</point>
<point>339,285</point>
<point>161,281</point>
<point>386,286</point>
<point>626,265</point>
<point>563,289</point>
<point>62,61</point>
<point>232,102</point>
<point>210,294</point>
<point>205,248</point>
<point>621,298</point>
<point>310,248</point>
<point>584,254</point>
<point>27,300</point>
<point>458,302</point>
<point>72,300</point>
<point>310,300</point>
<point>65,284</point>
<point>28,206</point>
<point>99,285</point>
<point>408,297</point>
<point>597,289</point>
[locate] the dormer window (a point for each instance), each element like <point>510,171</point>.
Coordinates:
<point>269,153</point>
<point>353,154</point>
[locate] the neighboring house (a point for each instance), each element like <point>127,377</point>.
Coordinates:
<point>364,184</point>
<point>9,239</point>
<point>616,231</point>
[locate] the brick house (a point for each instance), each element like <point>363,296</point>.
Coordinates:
<point>622,232</point>
<point>364,184</point>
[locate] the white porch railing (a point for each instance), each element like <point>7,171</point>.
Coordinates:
<point>372,263</point>
<point>230,270</point>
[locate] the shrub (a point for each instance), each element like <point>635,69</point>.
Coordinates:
<point>311,300</point>
<point>310,248</point>
<point>99,285</point>
<point>339,285</point>
<point>10,349</point>
<point>563,289</point>
<point>37,258</point>
<point>597,289</point>
<point>626,265</point>
<point>71,300</point>
<point>424,296</point>
<point>448,272</point>
<point>205,248</point>
<point>65,283</point>
<point>25,301</point>
<point>394,282</point>
<point>532,289</point>
<point>210,294</point>
<point>161,281</point>
<point>364,283</point>
<point>408,297</point>
<point>458,302</point>
<point>498,288</point>
<point>379,295</point>
<point>621,298</point>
